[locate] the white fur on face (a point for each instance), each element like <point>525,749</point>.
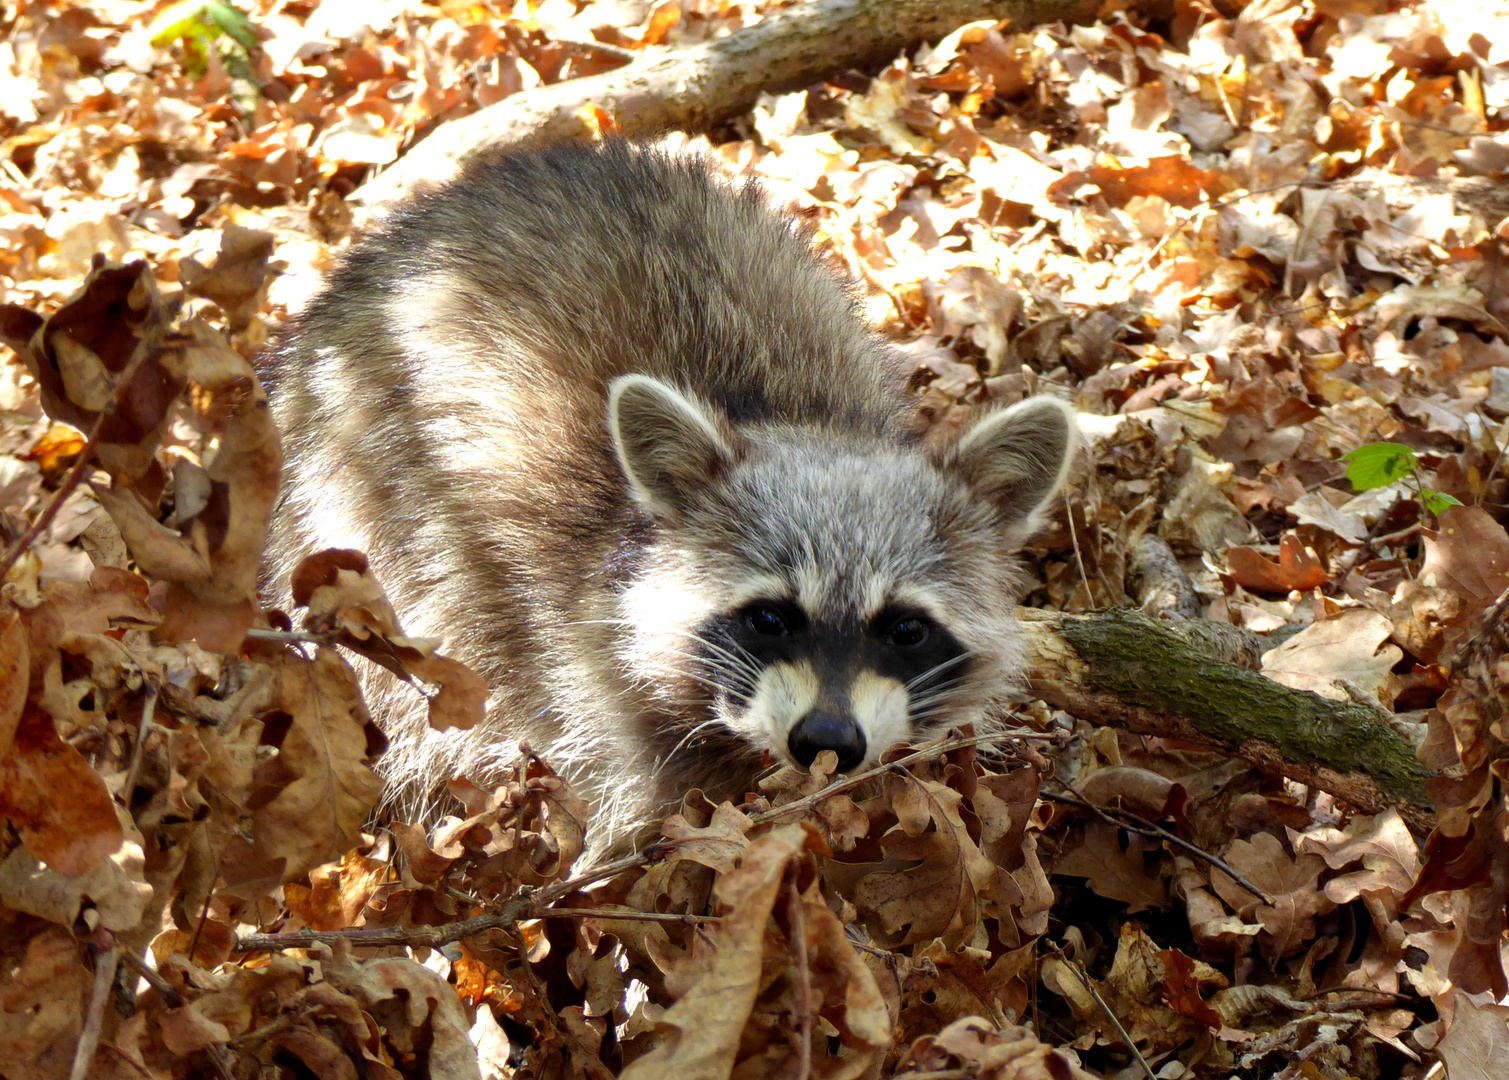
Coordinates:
<point>787,692</point>
<point>784,694</point>
<point>880,707</point>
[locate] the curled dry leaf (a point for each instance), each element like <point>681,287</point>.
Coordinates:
<point>324,784</point>
<point>978,1047</point>
<point>937,880</point>
<point>44,985</point>
<point>57,804</point>
<point>237,279</point>
<point>346,601</point>
<point>703,1030</point>
<point>416,1009</point>
<point>83,620</point>
<point>531,828</point>
<point>102,351</point>
<point>211,559</point>
<point>1297,568</point>
<point>114,889</point>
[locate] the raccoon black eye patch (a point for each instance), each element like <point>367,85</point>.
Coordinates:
<point>908,631</point>
<point>771,619</point>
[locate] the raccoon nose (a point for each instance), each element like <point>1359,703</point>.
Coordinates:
<point>817,732</point>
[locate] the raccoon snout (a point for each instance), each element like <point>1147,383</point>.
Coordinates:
<point>819,731</point>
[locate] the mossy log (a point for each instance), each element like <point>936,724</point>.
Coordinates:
<point>1176,678</point>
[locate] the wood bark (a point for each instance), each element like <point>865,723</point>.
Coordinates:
<point>694,87</point>
<point>1170,678</point>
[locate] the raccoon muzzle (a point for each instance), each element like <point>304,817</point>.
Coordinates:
<point>819,731</point>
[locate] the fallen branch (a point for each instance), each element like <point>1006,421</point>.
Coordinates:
<point>692,88</point>
<point>1154,676</point>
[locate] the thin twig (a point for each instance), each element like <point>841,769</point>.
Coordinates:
<point>70,481</point>
<point>416,937</point>
<point>1139,824</point>
<point>1497,461</point>
<point>153,978</point>
<point>614,915</point>
<point>204,912</point>
<point>149,707</point>
<point>290,637</point>
<point>105,963</point>
<point>529,906</point>
<point>932,750</point>
<point>1090,989</point>
<point>1079,558</point>
<point>798,919</point>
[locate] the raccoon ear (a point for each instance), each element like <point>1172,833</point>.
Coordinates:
<point>668,444</point>
<point>1018,458</point>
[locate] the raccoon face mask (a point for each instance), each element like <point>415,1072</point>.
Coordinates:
<point>832,593</point>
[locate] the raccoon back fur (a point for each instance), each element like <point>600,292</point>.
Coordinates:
<point>603,422</point>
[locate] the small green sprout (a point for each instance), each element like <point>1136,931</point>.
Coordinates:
<point>1380,464</point>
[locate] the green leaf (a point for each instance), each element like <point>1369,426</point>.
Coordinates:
<point>202,20</point>
<point>233,23</point>
<point>185,20</point>
<point>1437,501</point>
<point>1379,464</point>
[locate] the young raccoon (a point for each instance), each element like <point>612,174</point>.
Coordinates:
<point>605,424</point>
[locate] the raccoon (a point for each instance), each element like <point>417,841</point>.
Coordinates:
<point>604,422</point>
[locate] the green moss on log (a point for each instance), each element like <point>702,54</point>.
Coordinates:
<point>1144,661</point>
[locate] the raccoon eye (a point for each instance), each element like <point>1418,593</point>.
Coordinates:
<point>908,632</point>
<point>766,621</point>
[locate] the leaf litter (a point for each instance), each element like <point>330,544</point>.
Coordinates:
<point>1258,246</point>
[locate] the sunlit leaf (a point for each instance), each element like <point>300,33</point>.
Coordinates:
<point>1377,465</point>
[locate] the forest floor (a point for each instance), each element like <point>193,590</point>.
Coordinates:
<point>1262,248</point>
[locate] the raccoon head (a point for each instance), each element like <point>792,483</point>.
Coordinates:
<point>823,589</point>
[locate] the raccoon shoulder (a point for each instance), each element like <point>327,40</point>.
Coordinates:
<point>590,262</point>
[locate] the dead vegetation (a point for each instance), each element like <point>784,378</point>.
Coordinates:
<point>1249,241</point>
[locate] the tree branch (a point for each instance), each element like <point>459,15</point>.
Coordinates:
<point>1156,677</point>
<point>694,87</point>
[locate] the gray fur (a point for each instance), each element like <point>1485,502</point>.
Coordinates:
<point>445,408</point>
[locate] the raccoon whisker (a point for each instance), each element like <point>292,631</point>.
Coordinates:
<point>715,655</point>
<point>720,659</point>
<point>732,651</point>
<point>925,705</point>
<point>922,709</point>
<point>683,743</point>
<point>917,681</point>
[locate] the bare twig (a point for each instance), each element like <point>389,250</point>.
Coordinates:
<point>290,637</point>
<point>1089,986</point>
<point>149,707</point>
<point>798,919</point>
<point>614,915</point>
<point>932,750</point>
<point>105,963</point>
<point>528,906</point>
<point>1125,819</point>
<point>139,967</point>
